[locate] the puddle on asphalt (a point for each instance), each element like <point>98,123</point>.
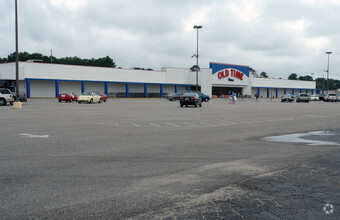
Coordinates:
<point>301,138</point>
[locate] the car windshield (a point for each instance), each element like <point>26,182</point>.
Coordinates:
<point>304,95</point>
<point>189,94</point>
<point>86,93</point>
<point>287,96</point>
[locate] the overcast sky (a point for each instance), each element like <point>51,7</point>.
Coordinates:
<point>278,37</point>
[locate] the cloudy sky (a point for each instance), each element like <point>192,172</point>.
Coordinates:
<point>278,37</point>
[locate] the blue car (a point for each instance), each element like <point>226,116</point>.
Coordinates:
<point>203,96</point>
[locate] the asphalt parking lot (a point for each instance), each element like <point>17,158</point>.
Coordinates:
<point>151,159</point>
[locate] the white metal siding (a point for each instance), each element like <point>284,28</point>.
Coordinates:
<point>42,89</point>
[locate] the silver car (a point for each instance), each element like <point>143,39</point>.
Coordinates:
<point>302,97</point>
<point>331,97</point>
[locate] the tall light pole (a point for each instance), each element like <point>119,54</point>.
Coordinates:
<point>328,53</point>
<point>17,103</point>
<point>197,27</point>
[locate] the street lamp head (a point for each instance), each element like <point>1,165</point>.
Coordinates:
<point>197,26</point>
<point>328,52</point>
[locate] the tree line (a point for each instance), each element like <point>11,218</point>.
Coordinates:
<point>25,56</point>
<point>321,83</point>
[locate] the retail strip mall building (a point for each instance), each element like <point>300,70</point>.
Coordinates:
<point>43,80</point>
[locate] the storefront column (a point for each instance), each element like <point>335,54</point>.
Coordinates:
<point>268,93</point>
<point>82,86</point>
<point>258,92</point>
<point>300,90</point>
<point>176,88</point>
<point>276,92</point>
<point>127,90</point>
<point>307,91</point>
<point>285,91</point>
<point>56,88</point>
<point>312,91</point>
<point>293,90</point>
<point>145,90</point>
<point>28,88</point>
<point>105,88</point>
<point>187,87</point>
<point>161,90</point>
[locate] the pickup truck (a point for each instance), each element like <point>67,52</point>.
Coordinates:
<point>6,96</point>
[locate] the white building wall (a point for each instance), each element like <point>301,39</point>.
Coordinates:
<point>181,89</point>
<point>66,86</point>
<point>42,89</point>
<point>153,88</point>
<point>168,89</point>
<point>94,86</point>
<point>136,88</point>
<point>282,83</point>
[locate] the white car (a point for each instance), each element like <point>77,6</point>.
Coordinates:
<point>314,98</point>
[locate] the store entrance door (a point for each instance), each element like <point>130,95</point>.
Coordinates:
<point>225,91</point>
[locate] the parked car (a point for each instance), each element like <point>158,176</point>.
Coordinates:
<point>203,96</point>
<point>22,96</point>
<point>174,96</point>
<point>190,98</point>
<point>287,98</point>
<point>6,96</point>
<point>67,97</point>
<point>103,96</point>
<point>89,97</point>
<point>322,96</point>
<point>314,98</point>
<point>331,97</point>
<point>302,97</point>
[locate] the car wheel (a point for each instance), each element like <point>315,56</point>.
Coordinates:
<point>173,99</point>
<point>104,100</point>
<point>195,105</point>
<point>100,101</point>
<point>2,102</point>
<point>181,106</point>
<point>59,100</point>
<point>201,105</point>
<point>186,105</point>
<point>91,100</point>
<point>206,99</point>
<point>79,102</point>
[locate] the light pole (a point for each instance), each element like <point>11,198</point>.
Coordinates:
<point>17,103</point>
<point>328,53</point>
<point>197,27</point>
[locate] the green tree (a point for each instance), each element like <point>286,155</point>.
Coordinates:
<point>264,75</point>
<point>305,78</point>
<point>293,76</point>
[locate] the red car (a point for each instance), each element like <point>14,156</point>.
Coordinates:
<point>103,95</point>
<point>67,97</point>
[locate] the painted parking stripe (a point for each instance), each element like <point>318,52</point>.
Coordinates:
<point>137,125</point>
<point>205,123</point>
<point>35,135</point>
<point>172,124</point>
<point>190,124</point>
<point>152,124</point>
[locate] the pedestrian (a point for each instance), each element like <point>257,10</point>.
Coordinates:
<point>256,96</point>
<point>234,97</point>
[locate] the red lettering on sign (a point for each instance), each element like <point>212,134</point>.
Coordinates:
<point>232,73</point>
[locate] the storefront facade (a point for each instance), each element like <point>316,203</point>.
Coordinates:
<point>42,80</point>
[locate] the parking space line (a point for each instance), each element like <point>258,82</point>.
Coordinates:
<point>152,124</point>
<point>172,124</point>
<point>205,123</point>
<point>189,124</point>
<point>137,125</point>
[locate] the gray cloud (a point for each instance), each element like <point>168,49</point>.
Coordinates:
<point>278,37</point>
